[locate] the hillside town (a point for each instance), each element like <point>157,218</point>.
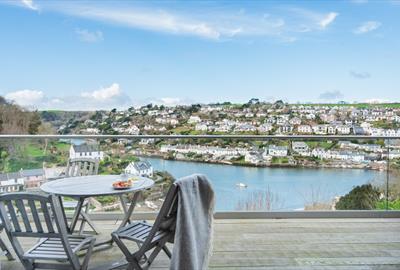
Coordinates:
<point>256,118</point>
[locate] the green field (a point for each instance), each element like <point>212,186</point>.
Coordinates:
<point>32,155</point>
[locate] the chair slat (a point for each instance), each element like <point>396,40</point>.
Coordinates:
<point>85,168</point>
<point>47,217</point>
<point>35,216</point>
<point>13,216</point>
<point>78,168</point>
<point>25,219</point>
<point>91,169</point>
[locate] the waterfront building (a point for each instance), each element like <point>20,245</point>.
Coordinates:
<point>86,151</point>
<point>140,168</point>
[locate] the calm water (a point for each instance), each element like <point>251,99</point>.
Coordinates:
<point>291,188</point>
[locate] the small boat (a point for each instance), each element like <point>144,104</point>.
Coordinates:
<point>241,185</point>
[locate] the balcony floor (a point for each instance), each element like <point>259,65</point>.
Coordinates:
<point>286,244</point>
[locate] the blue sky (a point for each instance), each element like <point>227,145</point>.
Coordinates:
<point>102,54</point>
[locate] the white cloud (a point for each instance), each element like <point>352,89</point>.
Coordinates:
<point>89,36</point>
<point>328,19</point>
<point>360,74</point>
<point>26,97</point>
<point>221,24</point>
<point>366,27</point>
<point>29,4</point>
<point>313,20</point>
<point>104,94</point>
<point>204,21</point>
<point>102,99</point>
<point>146,19</point>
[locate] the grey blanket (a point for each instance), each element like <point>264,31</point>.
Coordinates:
<point>193,235</point>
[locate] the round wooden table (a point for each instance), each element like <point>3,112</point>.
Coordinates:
<point>82,187</point>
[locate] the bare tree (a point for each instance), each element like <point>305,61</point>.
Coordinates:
<point>259,200</point>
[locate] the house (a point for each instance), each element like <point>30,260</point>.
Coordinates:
<point>277,151</point>
<point>295,121</point>
<point>201,127</point>
<point>300,148</point>
<point>33,178</point>
<point>343,129</point>
<point>133,130</point>
<point>285,129</point>
<point>331,130</point>
<point>320,129</point>
<point>147,141</point>
<point>194,119</point>
<point>140,168</point>
<point>86,151</point>
<point>265,128</point>
<point>253,158</point>
<point>304,129</point>
<point>11,182</point>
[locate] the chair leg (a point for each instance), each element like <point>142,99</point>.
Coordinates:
<point>167,251</point>
<point>134,266</point>
<point>86,219</point>
<point>88,255</point>
<point>6,250</point>
<point>154,254</point>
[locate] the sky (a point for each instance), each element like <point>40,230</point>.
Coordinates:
<point>88,55</point>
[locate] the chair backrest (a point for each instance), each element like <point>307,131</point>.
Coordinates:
<point>166,218</point>
<point>48,220</point>
<point>82,167</point>
<point>47,216</point>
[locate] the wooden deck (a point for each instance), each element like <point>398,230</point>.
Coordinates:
<point>286,244</point>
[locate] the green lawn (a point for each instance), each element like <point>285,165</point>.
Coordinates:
<point>392,205</point>
<point>321,144</point>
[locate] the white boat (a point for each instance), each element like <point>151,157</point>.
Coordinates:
<point>241,185</point>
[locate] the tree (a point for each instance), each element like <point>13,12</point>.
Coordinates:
<point>34,123</point>
<point>362,197</point>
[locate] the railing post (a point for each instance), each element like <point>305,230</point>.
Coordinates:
<point>387,174</point>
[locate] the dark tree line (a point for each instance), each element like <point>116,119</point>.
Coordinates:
<point>16,120</point>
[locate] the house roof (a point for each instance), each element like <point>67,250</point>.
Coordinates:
<point>142,165</point>
<point>21,173</point>
<point>84,148</point>
<point>32,172</point>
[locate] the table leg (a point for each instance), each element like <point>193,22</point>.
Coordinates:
<point>63,212</point>
<point>77,212</point>
<point>128,213</point>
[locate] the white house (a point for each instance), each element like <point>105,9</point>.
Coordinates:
<point>304,129</point>
<point>265,127</point>
<point>140,168</point>
<point>11,182</point>
<point>86,151</point>
<point>253,157</point>
<point>201,127</point>
<point>277,151</point>
<point>301,148</point>
<point>343,129</point>
<point>194,119</point>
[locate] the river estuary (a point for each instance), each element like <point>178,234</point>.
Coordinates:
<point>287,188</point>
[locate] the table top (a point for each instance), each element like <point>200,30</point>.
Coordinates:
<point>93,185</point>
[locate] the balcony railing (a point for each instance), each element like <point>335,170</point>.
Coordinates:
<point>263,183</point>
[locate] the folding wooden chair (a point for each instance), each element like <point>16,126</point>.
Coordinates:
<point>3,246</point>
<point>150,237</point>
<point>50,228</point>
<point>82,167</point>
